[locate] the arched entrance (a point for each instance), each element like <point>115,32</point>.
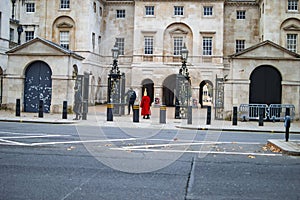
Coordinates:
<point>265,85</point>
<point>1,84</point>
<point>38,86</point>
<point>169,86</point>
<point>206,93</point>
<point>148,83</point>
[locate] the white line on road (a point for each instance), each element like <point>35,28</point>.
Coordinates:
<point>33,136</point>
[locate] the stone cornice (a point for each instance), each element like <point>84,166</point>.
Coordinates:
<point>240,2</point>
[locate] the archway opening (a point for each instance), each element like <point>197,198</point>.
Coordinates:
<point>206,93</point>
<point>169,87</point>
<point>149,85</point>
<point>1,85</point>
<point>265,86</point>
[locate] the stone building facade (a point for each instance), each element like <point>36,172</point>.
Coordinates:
<point>228,40</point>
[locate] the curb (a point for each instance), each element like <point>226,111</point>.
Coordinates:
<point>289,148</point>
<point>37,121</point>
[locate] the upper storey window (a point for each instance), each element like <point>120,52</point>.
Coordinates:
<point>178,10</point>
<point>149,10</point>
<point>30,7</point>
<point>64,4</point>
<point>292,5</point>
<point>120,13</point>
<point>207,10</point>
<point>241,14</point>
<point>291,41</point>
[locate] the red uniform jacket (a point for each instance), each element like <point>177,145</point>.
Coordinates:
<point>145,105</point>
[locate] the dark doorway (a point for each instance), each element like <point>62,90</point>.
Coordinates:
<point>38,86</point>
<point>1,85</point>
<point>169,86</point>
<point>265,86</point>
<point>206,93</point>
<point>148,83</point>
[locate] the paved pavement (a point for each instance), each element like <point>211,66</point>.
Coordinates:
<point>97,115</point>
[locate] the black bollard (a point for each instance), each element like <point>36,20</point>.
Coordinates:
<point>109,113</point>
<point>136,110</point>
<point>162,114</point>
<point>189,115</point>
<point>261,117</point>
<point>65,110</point>
<point>234,116</point>
<point>84,110</point>
<point>18,107</point>
<point>208,116</point>
<point>41,109</point>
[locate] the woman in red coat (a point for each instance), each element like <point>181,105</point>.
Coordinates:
<point>145,105</point>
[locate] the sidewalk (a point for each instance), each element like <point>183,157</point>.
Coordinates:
<point>97,115</point>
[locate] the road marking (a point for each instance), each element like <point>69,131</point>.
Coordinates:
<point>8,142</point>
<point>33,136</point>
<point>198,152</point>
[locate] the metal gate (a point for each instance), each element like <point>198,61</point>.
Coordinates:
<point>219,101</point>
<point>38,86</point>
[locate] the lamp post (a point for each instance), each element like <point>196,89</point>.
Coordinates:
<point>183,87</point>
<point>116,84</point>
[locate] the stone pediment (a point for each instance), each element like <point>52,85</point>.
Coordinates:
<point>64,25</point>
<point>178,31</point>
<point>266,50</point>
<point>39,46</point>
<point>292,28</point>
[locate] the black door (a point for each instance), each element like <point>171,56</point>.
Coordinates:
<point>265,86</point>
<point>38,86</point>
<point>169,86</point>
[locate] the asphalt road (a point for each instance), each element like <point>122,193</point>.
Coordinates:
<point>42,161</point>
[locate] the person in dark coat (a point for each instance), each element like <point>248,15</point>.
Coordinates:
<point>131,97</point>
<point>145,105</point>
<point>77,104</point>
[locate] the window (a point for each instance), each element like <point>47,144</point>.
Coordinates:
<point>95,7</point>
<point>239,45</point>
<point>207,10</point>
<point>64,39</point>
<point>30,7</point>
<point>99,43</point>
<point>120,13</point>
<point>178,10</point>
<point>292,5</point>
<point>0,23</point>
<point>120,44</point>
<point>149,10</point>
<point>100,11</point>
<point>207,46</point>
<point>241,14</point>
<point>148,45</point>
<point>11,34</point>
<point>178,44</point>
<point>64,4</point>
<point>93,40</point>
<point>291,42</point>
<point>29,35</point>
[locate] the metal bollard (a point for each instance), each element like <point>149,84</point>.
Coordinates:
<point>136,110</point>
<point>65,110</point>
<point>261,117</point>
<point>189,115</point>
<point>287,124</point>
<point>109,112</point>
<point>18,107</point>
<point>41,109</point>
<point>84,110</point>
<point>162,114</point>
<point>234,116</point>
<point>208,116</point>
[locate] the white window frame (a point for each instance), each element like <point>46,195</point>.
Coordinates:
<point>148,45</point>
<point>29,35</point>
<point>177,45</point>
<point>292,6</point>
<point>207,10</point>
<point>30,7</point>
<point>178,10</point>
<point>240,14</point>
<point>207,43</point>
<point>64,39</point>
<point>121,44</point>
<point>64,4</point>
<point>239,45</point>
<point>120,13</point>
<point>291,42</point>
<point>149,10</point>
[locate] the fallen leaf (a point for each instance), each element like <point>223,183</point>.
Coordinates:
<point>251,156</point>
